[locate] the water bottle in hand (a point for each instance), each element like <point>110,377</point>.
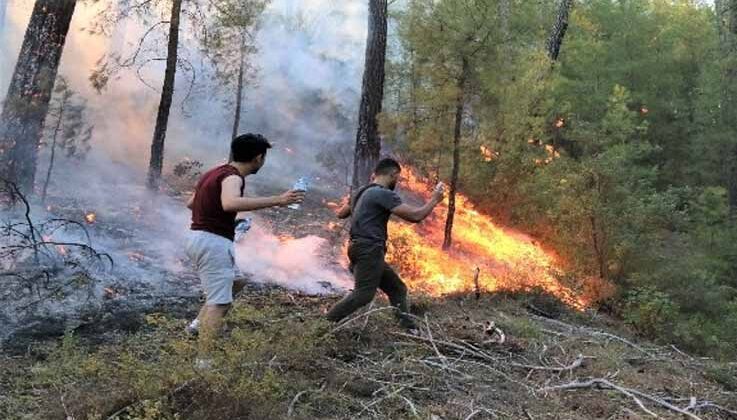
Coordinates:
<point>241,227</point>
<point>300,185</point>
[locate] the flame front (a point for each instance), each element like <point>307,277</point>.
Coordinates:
<point>507,260</point>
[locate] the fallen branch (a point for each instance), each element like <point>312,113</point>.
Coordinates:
<point>290,410</point>
<point>574,365</point>
<point>632,393</point>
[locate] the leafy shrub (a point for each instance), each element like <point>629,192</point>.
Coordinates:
<point>649,311</point>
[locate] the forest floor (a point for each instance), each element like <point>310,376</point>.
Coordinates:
<point>280,359</point>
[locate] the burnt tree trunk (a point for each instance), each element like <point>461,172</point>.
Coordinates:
<point>167,92</point>
<point>448,239</point>
<point>239,89</point>
<point>27,100</point>
<point>368,143</point>
<point>555,40</point>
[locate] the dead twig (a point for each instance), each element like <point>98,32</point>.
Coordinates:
<point>574,365</point>
<point>365,314</point>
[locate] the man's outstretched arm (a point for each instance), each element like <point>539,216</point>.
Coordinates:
<point>345,210</point>
<point>233,202</point>
<point>417,214</point>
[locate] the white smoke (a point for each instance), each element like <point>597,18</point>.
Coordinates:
<point>306,96</point>
<point>293,263</point>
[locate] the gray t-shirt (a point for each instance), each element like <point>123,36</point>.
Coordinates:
<point>371,214</point>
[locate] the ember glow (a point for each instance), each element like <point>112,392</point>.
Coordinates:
<point>507,260</point>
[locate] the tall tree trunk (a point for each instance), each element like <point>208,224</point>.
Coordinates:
<point>239,90</point>
<point>167,92</point>
<point>448,239</point>
<point>555,40</point>
<point>54,137</point>
<point>730,99</point>
<point>368,143</point>
<point>726,11</point>
<point>27,101</point>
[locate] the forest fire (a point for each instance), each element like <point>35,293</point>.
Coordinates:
<point>507,260</point>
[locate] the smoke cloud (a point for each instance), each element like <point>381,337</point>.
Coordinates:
<point>304,99</point>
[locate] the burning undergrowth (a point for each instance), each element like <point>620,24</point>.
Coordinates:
<point>484,256</point>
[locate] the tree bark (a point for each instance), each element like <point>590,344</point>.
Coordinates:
<point>167,93</point>
<point>54,137</point>
<point>448,239</point>
<point>555,40</point>
<point>598,249</point>
<point>368,143</point>
<point>239,90</point>
<point>27,100</point>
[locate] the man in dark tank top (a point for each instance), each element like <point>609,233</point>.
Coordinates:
<point>217,200</point>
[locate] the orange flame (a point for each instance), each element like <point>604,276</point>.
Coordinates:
<point>487,153</point>
<point>508,260</point>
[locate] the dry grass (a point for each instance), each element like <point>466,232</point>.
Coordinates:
<point>281,360</point>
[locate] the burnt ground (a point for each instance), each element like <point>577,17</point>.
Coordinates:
<point>280,359</point>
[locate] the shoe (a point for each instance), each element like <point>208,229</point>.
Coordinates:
<point>193,328</point>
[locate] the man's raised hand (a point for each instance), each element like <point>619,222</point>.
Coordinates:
<point>292,197</point>
<point>438,193</point>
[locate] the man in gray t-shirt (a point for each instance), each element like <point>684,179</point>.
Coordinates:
<point>371,207</point>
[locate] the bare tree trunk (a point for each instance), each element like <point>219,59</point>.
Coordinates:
<point>239,90</point>
<point>167,92</point>
<point>726,12</point>
<point>448,239</point>
<point>368,143</point>
<point>559,29</point>
<point>57,129</point>
<point>27,101</point>
<point>598,248</point>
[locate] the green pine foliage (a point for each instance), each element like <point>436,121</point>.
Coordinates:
<point>616,154</point>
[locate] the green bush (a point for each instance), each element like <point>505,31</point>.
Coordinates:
<point>649,311</point>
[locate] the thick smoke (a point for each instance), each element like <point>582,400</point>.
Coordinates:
<point>305,99</point>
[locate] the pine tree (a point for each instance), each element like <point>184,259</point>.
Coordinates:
<point>368,142</point>
<point>167,93</point>
<point>27,101</point>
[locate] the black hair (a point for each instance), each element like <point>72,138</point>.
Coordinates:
<point>247,147</point>
<point>386,166</point>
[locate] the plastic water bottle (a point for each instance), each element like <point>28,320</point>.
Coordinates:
<point>300,185</point>
<point>241,227</point>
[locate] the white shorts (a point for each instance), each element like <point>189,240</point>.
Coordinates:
<point>214,261</point>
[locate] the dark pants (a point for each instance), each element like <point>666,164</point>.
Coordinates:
<point>371,272</point>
